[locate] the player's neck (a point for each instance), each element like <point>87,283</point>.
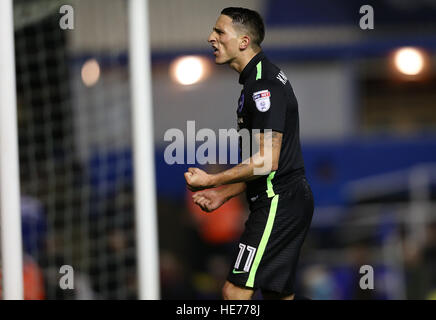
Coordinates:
<point>241,62</point>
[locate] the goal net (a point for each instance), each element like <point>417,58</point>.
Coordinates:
<point>75,150</point>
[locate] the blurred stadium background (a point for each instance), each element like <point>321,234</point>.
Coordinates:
<point>368,134</point>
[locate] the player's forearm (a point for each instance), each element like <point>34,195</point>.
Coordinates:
<point>261,163</point>
<point>232,190</point>
<point>248,170</point>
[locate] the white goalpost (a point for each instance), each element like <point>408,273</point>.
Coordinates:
<point>143,151</point>
<point>11,243</point>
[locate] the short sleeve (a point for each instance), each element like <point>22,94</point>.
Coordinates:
<point>267,105</point>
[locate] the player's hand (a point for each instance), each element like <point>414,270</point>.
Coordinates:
<point>197,179</point>
<point>208,200</point>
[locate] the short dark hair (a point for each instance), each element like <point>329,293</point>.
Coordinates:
<point>249,19</point>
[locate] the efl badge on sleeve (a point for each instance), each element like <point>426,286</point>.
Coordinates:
<point>261,98</point>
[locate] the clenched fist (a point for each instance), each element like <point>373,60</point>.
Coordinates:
<point>197,179</point>
<point>208,200</point>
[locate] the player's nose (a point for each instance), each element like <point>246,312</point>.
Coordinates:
<point>211,38</point>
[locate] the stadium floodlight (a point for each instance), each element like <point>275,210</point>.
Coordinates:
<point>12,273</point>
<point>90,72</point>
<point>409,61</point>
<point>189,70</point>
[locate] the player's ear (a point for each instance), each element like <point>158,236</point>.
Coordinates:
<point>244,42</point>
